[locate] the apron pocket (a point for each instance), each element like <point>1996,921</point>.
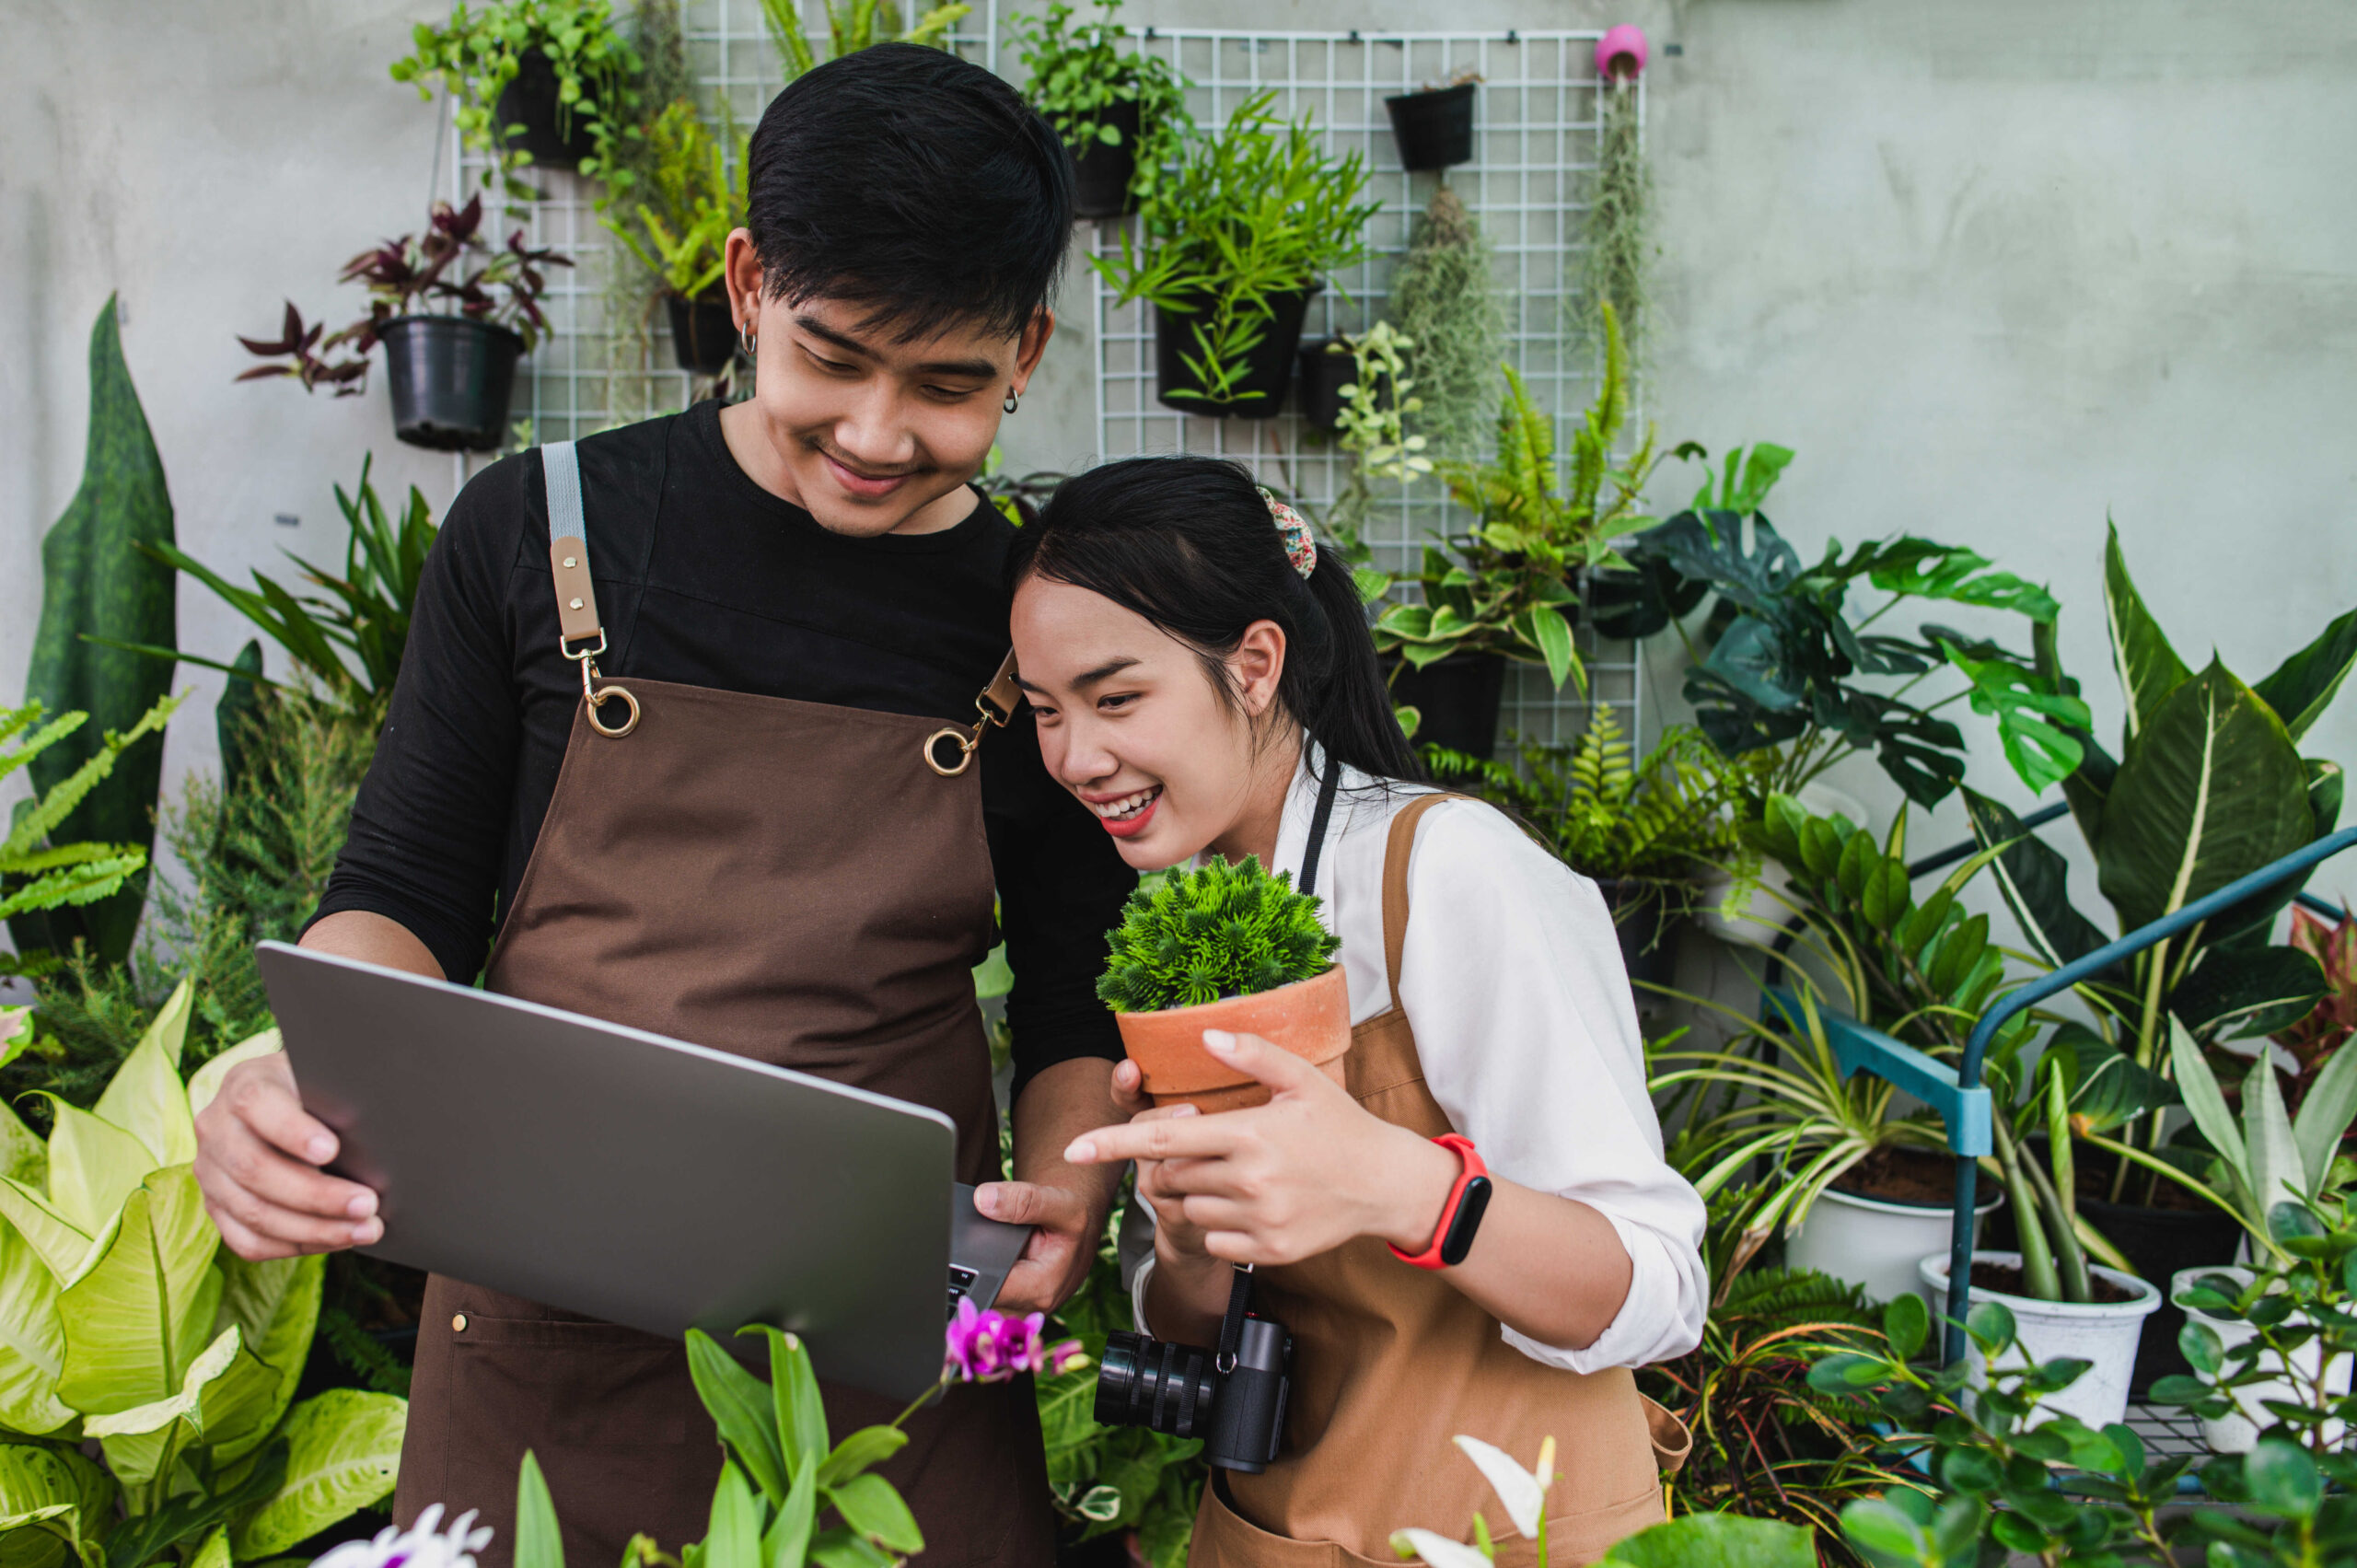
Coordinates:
<point>573,1384</point>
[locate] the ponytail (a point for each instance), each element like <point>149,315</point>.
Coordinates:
<point>1188,544</point>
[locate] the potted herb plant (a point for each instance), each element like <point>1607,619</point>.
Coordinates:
<point>681,231</point>
<point>1433,125</point>
<point>1504,589</point>
<point>1230,252</point>
<point>1121,114</point>
<point>534,82</point>
<point>1223,946</point>
<point>454,314</point>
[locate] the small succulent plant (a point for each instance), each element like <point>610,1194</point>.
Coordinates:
<point>1222,930</point>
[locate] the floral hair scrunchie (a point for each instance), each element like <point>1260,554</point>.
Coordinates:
<point>1301,545</point>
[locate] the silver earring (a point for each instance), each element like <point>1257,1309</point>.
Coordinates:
<point>745,342</point>
<point>1012,403</point>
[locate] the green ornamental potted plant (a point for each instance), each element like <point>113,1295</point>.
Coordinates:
<point>681,228</point>
<point>534,82</point>
<point>1369,421</point>
<point>1235,243</point>
<point>1445,298</point>
<point>1505,589</point>
<point>1121,114</point>
<point>1223,946</point>
<point>454,315</point>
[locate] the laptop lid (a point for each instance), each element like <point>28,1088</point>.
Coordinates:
<point>639,1180</point>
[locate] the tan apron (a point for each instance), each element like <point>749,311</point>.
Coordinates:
<point>1391,1361</point>
<point>785,880</point>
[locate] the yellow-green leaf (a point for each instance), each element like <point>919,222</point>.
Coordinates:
<point>344,1454</point>
<point>139,1318</point>
<point>145,1098</point>
<point>32,1341</point>
<point>94,1165</point>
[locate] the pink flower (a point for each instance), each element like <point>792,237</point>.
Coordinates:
<point>989,1346</point>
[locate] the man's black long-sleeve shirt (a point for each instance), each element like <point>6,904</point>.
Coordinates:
<point>706,579</point>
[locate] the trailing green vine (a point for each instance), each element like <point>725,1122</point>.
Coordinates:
<point>1445,299</point>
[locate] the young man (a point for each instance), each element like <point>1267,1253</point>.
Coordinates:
<point>700,767</point>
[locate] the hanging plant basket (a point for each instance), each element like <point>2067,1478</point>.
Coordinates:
<point>451,379</point>
<point>1434,129</point>
<point>1101,174</point>
<point>703,333</point>
<point>531,104</point>
<point>1267,367</point>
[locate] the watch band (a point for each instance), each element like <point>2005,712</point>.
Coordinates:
<point>1468,1199</point>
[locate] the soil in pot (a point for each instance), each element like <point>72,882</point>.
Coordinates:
<point>2007,1279</point>
<point>451,378</point>
<point>1903,1176</point>
<point>530,102</point>
<point>1310,1018</point>
<point>703,332</point>
<point>1459,698</point>
<point>1101,174</point>
<point>1434,129</point>
<point>1267,367</point>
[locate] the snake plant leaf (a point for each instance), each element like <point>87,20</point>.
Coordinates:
<point>2211,791</point>
<point>2278,1173</point>
<point>2035,881</point>
<point>93,1167</point>
<point>2324,1115</point>
<point>274,1306</point>
<point>2235,992</point>
<point>2148,667</point>
<point>2305,685</point>
<point>343,1450</point>
<point>32,1341</point>
<point>98,583</point>
<point>144,1310</point>
<point>145,1098</point>
<point>234,713</point>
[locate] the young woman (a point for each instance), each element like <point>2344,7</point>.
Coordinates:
<point>1204,682</point>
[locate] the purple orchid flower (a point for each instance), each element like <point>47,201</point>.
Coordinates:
<point>985,1345</point>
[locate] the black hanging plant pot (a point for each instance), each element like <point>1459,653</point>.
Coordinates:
<point>1101,173</point>
<point>1324,371</point>
<point>1260,391</point>
<point>1644,917</point>
<point>556,136</point>
<point>1458,699</point>
<point>1434,129</point>
<point>451,378</point>
<point>703,332</point>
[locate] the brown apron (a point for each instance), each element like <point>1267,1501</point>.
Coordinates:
<point>785,880</point>
<point>1391,1362</point>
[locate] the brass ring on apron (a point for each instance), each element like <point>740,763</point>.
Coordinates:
<point>965,743</point>
<point>605,694</point>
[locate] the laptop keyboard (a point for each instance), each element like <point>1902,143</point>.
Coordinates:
<point>960,1282</point>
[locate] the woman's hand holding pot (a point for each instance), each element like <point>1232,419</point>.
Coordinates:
<point>1283,1181</point>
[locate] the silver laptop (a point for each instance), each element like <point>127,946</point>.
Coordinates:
<point>639,1180</point>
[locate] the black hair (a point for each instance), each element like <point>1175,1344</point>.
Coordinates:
<point>1190,544</point>
<point>908,180</point>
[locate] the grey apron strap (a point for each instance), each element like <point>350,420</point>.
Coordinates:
<point>576,600</point>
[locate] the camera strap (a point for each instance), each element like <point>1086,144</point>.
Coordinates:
<point>1327,787</point>
<point>1231,1328</point>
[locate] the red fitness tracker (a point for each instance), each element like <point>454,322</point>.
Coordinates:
<point>1461,1216</point>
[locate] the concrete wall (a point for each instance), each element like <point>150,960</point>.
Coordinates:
<point>1995,269</point>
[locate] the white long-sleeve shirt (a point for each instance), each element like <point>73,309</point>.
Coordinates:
<point>1513,982</point>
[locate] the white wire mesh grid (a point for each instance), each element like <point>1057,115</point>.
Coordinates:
<point>1536,136</point>
<point>605,358</point>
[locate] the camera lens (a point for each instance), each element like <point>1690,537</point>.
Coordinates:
<point>1154,1383</point>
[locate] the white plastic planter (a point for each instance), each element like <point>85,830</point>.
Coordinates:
<point>2238,1433</point>
<point>2102,1332</point>
<point>1871,1241</point>
<point>1759,919</point>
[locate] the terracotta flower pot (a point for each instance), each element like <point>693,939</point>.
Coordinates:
<point>1310,1018</point>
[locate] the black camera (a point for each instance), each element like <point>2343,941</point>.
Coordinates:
<point>1235,1404</point>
